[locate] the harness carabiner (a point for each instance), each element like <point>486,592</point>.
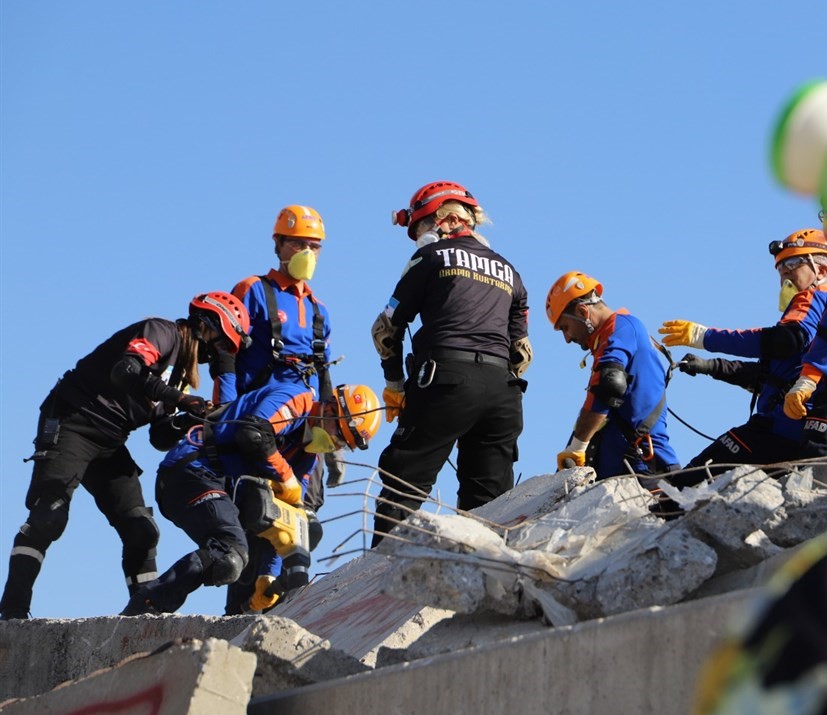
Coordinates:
<point>647,441</point>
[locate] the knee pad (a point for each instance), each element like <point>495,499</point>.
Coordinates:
<point>255,438</point>
<point>137,529</point>
<point>47,520</point>
<point>222,567</point>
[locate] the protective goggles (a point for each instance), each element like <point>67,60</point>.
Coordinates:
<point>301,244</point>
<point>793,262</point>
<point>344,414</point>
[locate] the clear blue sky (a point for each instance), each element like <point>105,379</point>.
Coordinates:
<point>147,148</point>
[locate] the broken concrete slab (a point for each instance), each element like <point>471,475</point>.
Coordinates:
<point>290,657</point>
<point>460,632</point>
<point>189,678</point>
<point>743,501</point>
<point>38,654</point>
<point>348,608</point>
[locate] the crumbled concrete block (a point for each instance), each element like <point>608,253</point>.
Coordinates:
<point>747,500</point>
<point>460,632</point>
<point>81,646</point>
<point>189,678</point>
<point>662,571</point>
<point>289,656</point>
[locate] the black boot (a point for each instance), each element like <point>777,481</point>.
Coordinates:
<point>23,571</point>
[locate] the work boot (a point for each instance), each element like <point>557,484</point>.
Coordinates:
<point>11,613</point>
<point>17,595</point>
<point>140,605</point>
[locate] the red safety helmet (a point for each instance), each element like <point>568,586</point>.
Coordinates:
<point>428,199</point>
<point>232,315</point>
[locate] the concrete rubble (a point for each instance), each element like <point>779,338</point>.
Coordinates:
<point>556,550</point>
<point>186,678</point>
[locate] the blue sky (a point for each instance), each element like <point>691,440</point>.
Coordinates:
<point>147,148</point>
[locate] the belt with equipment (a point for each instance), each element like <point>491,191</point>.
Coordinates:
<point>468,356</point>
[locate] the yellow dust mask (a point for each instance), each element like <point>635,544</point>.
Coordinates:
<point>788,291</point>
<point>320,443</point>
<point>302,265</point>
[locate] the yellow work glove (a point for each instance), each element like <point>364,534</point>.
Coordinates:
<point>682,332</point>
<point>290,491</point>
<point>394,403</point>
<point>575,452</point>
<point>798,394</point>
<point>266,594</point>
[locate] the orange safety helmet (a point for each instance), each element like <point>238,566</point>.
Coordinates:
<point>801,243</point>
<point>232,315</point>
<point>299,222</point>
<point>566,288</point>
<point>360,414</point>
<point>428,199</point>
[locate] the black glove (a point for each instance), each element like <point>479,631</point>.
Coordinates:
<point>221,363</point>
<point>693,365</point>
<point>335,468</point>
<point>314,527</point>
<point>194,404</point>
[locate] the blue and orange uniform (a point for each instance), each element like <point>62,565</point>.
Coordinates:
<point>636,430</point>
<point>814,367</point>
<point>194,479</point>
<point>769,436</point>
<point>301,317</point>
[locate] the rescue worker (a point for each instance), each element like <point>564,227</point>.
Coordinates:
<point>625,408</point>
<point>464,384</point>
<point>769,436</point>
<point>262,445</point>
<point>808,397</point>
<point>290,327</point>
<point>135,377</point>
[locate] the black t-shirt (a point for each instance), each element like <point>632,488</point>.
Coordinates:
<point>468,297</point>
<point>89,387</point>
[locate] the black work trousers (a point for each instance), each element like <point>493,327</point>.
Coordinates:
<point>750,443</point>
<point>475,405</point>
<point>82,455</point>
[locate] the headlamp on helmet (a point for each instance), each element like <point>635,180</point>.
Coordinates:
<point>805,242</point>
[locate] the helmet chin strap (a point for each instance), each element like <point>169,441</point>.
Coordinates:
<point>586,321</point>
<point>818,281</point>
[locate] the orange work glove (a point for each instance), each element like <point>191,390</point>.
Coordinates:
<point>290,491</point>
<point>798,394</point>
<point>575,451</point>
<point>266,595</point>
<point>394,403</point>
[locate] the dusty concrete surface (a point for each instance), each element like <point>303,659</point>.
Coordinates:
<point>556,550</point>
<point>191,678</point>
<point>289,656</point>
<point>640,663</point>
<point>38,654</point>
